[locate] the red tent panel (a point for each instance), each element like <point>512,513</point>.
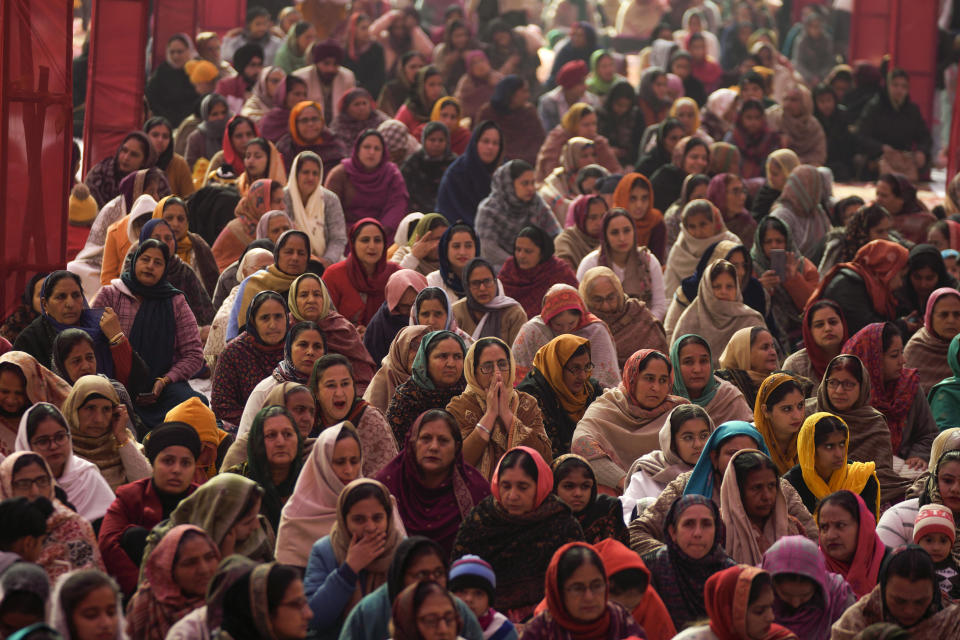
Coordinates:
<point>115,76</point>
<point>221,15</point>
<point>869,29</point>
<point>913,47</point>
<point>953,150</point>
<point>171,17</point>
<point>35,140</point>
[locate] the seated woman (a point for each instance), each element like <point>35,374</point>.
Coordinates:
<point>485,311</point>
<point>207,139</point>
<point>123,233</point>
<point>458,245</point>
<point>308,132</point>
<point>754,519</point>
<point>309,301</point>
<point>466,181</point>
<point>896,194</point>
<point>927,350</point>
<point>420,251</point>
<point>352,561</point>
<point>824,331</point>
<point>533,269</point>
<point>99,434</point>
<point>356,113</point>
<point>400,292</point>
<point>848,541</point>
<point>174,582</point>
<point>423,171</point>
<point>560,187</point>
<point>624,423</point>
<point>432,309</point>
<point>268,596</point>
<point>369,185</point>
<point>896,393</point>
<point>620,120</point>
<point>748,359</point>
<point>134,153</point>
<point>943,395</point>
<point>634,194</point>
<point>233,165</point>
<point>356,283</point>
<point>694,380</point>
<point>310,512</point>
<point>227,507</point>
<point>27,311</point>
<point>560,381</point>
<point>315,209</point>
<point>778,416</point>
<point>173,449</point>
<point>250,357</point>
<point>192,249</point>
<point>263,196</point>
<point>868,222</point>
<point>926,272</point>
<point>799,208</point>
<point>845,392</point>
<point>739,602</point>
<point>580,120</point>
<point>777,169</point>
<point>274,459</point>
<point>44,430</point>
<point>447,110</point>
<point>427,89</point>
<point>690,156</point>
<point>434,488</point>
<point>583,236</point>
<point>564,313</point>
<point>728,192</point>
<point>701,228</point>
<point>753,139</point>
<point>578,599</point>
<point>659,141</point>
<point>504,526</point>
<point>600,515</point>
<point>636,266</point>
<point>630,321</point>
<point>680,569</point>
<point>70,542</point>
<point>397,365</point>
<point>823,467</point>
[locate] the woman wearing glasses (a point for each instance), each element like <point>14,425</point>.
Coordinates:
<point>492,415</point>
<point>485,311</point>
<point>561,381</point>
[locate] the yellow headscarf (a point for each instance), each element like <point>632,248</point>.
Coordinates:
<point>440,104</point>
<point>292,297</point>
<point>688,102</point>
<point>550,360</point>
<point>785,159</point>
<point>185,246</point>
<point>785,460</point>
<point>854,476</point>
<point>571,119</point>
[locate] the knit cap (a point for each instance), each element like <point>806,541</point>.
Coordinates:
<point>934,518</point>
<point>171,434</point>
<point>473,572</point>
<point>201,71</point>
<point>82,209</point>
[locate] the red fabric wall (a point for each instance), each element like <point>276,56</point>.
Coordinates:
<point>221,15</point>
<point>35,140</point>
<point>169,18</point>
<point>115,76</point>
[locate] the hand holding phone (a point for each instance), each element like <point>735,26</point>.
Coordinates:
<point>778,263</point>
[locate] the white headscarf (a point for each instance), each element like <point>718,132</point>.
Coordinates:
<point>308,218</point>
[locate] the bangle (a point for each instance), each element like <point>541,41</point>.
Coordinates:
<point>117,339</point>
<point>484,429</point>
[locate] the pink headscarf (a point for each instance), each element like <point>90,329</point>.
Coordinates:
<point>399,282</point>
<point>544,476</point>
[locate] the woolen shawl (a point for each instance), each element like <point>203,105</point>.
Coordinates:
<point>784,459</point>
<point>743,541</point>
<point>864,567</point>
<point>727,597</point>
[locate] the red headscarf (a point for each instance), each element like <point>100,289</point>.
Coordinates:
<point>579,209</point>
<point>544,476</point>
<point>563,297</point>
<point>818,359</point>
<point>954,239</point>
<point>230,155</point>
<point>877,262</point>
<point>374,285</point>
<point>577,630</point>
<point>932,302</point>
<point>892,399</point>
<point>864,568</point>
<point>631,372</point>
<point>727,595</point>
<point>621,198</point>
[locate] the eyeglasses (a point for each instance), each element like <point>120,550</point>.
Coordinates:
<point>487,367</point>
<point>313,120</point>
<point>45,442</point>
<point>846,385</point>
<point>422,576</point>
<point>577,370</point>
<point>596,301</point>
<point>42,482</point>
<point>433,620</point>
<point>481,284</point>
<point>579,589</point>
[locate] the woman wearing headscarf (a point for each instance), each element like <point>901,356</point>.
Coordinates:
<point>599,515</point>
<point>560,187</point>
<point>724,158</point>
<point>292,54</point>
<point>719,114</point>
<point>419,251</point>
<point>533,269</point>
<point>748,358</point>
<point>634,264</point>
<point>824,330</point>
<point>864,286</point>
<point>276,122</point>
<point>308,131</point>
<point>122,234</point>
<point>356,114</point>
<point>694,187</point>
<point>911,219</point>
<point>171,163</point>
<point>315,209</point>
<point>778,416</point>
<point>679,570</point>
<point>396,366</point>
<point>799,207</point>
<point>229,165</point>
<point>207,139</point>
<point>621,120</point>
<point>728,192</point>
<point>624,423</point>
<point>191,248</point>
<point>161,327</point>
<point>394,314</point>
<point>458,246</point>
<point>423,171</point>
<point>29,309</point>
<point>926,273</point>
<point>927,350</point>
<point>657,148</point>
<point>399,87</point>
<point>777,169</point>
<point>580,238</point>
<point>653,96</point>
<point>266,93</point>
<point>801,130</point>
<point>31,383</point>
<point>426,91</point>
<point>169,91</point>
<point>516,118</point>
<point>485,311</point>
<point>369,185</point>
<point>256,601</point>
<point>579,45</point>
<point>564,312</point>
<point>447,110</point>
<point>694,380</point>
<point>263,196</point>
<point>753,139</point>
<point>133,154</point>
<point>943,397</point>
<point>174,583</point>
<point>467,180</point>
<point>357,283</point>
<point>580,120</point>
<point>691,155</point>
<point>701,227</point>
<point>364,56</point>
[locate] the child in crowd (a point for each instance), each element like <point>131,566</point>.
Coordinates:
<point>934,530</point>
<point>473,581</point>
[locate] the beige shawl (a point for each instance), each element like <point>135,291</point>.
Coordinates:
<point>927,352</point>
<point>396,366</point>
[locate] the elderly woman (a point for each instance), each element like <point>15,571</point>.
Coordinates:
<point>560,187</point>
<point>583,236</point>
<point>799,208</point>
<point>315,209</point>
<point>434,488</point>
<point>927,350</point>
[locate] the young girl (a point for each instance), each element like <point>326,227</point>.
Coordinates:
<point>472,580</point>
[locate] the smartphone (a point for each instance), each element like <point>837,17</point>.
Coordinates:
<point>778,262</point>
<point>146,399</point>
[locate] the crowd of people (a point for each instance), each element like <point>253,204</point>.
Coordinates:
<point>428,323</point>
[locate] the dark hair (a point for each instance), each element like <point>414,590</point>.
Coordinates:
<point>582,350</point>
<point>78,586</point>
<point>279,578</point>
<point>720,267</point>
<point>430,293</point>
<point>753,77</point>
<point>655,355</point>
<point>890,331</point>
<point>236,121</point>
<point>22,518</point>
<point>519,458</point>
<point>767,223</point>
<point>28,459</point>
<point>186,537</point>
<point>349,434</point>
<point>912,563</point>
<point>44,411</point>
<point>482,345</point>
<point>848,363</point>
<point>692,339</point>
<point>628,579</point>
<point>683,414</point>
<point>306,325</point>
<point>309,158</point>
<point>665,127</point>
<point>362,492</point>
<point>777,395</point>
<point>175,200</point>
<point>51,282</point>
<point>32,604</point>
<point>574,558</point>
<point>698,207</point>
<point>427,588</point>
<point>819,305</point>
<point>898,72</point>
<point>300,27</point>
<point>263,144</point>
<point>63,344</point>
<point>519,167</point>
<point>567,467</point>
<point>433,415</point>
<point>291,82</point>
<point>760,583</point>
<point>324,363</point>
<point>746,463</point>
<point>153,243</point>
<point>257,11</point>
<point>590,171</point>
<point>179,37</point>
<point>751,105</point>
<point>256,494</point>
<point>841,205</point>
<point>844,499</point>
<point>617,212</point>
<point>826,426</point>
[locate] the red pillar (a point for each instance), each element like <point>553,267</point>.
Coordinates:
<point>221,15</point>
<point>115,76</point>
<point>171,17</point>
<point>36,124</point>
<point>953,149</point>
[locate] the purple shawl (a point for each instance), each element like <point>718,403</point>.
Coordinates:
<point>435,513</point>
<point>379,193</point>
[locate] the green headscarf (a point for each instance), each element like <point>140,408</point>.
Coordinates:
<point>420,373</point>
<point>679,387</point>
<point>423,227</point>
<point>595,84</point>
<point>944,397</point>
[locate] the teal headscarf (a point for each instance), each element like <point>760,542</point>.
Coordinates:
<point>701,479</point>
<point>944,397</point>
<point>679,386</point>
<point>420,373</point>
